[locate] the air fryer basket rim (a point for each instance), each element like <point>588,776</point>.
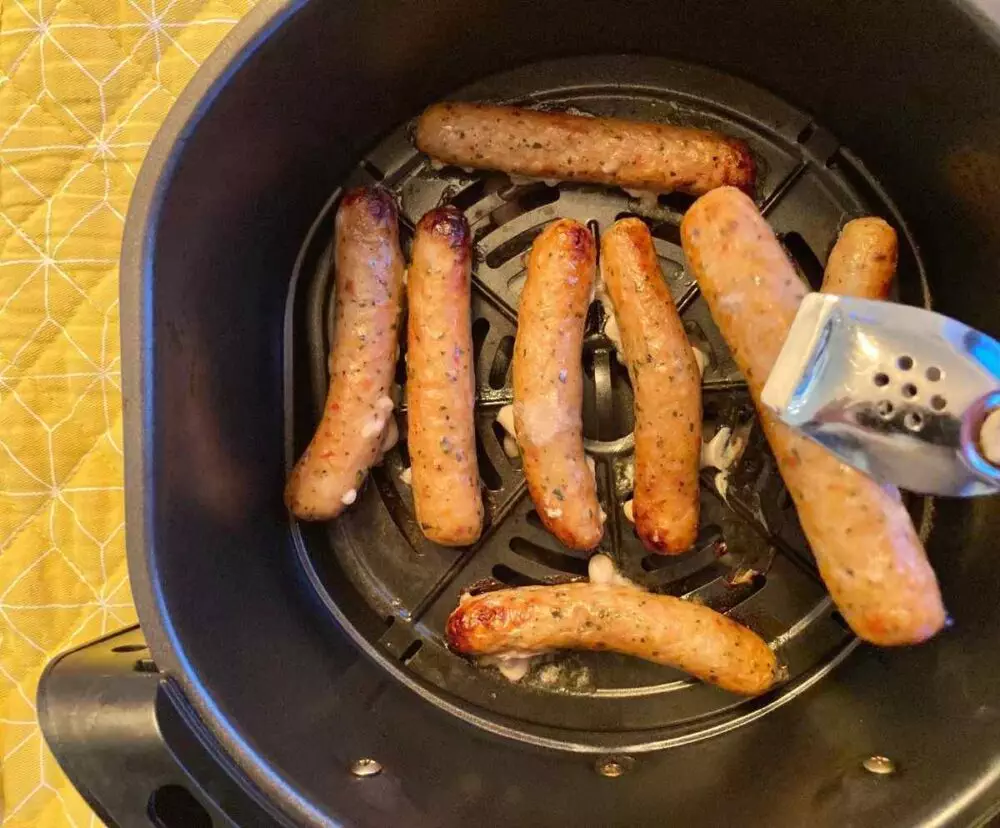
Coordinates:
<point>139,241</point>
<point>509,709</point>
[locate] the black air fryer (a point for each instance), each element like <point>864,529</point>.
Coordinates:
<point>297,674</point>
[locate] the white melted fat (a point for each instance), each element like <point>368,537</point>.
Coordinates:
<point>701,358</point>
<point>512,666</point>
<point>647,198</point>
<point>628,509</point>
<point>505,418</point>
<point>527,180</point>
<point>722,452</point>
<point>602,570</point>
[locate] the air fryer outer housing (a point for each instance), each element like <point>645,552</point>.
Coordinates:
<point>270,689</point>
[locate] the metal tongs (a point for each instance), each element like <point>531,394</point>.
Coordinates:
<point>903,394</point>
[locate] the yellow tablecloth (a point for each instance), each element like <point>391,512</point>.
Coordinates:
<point>84,84</point>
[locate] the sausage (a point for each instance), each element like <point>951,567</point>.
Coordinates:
<point>440,381</point>
<point>863,264</point>
<point>667,388</point>
<point>862,537</point>
<point>863,261</point>
<point>556,145</point>
<point>548,383</point>
<point>623,619</point>
<point>368,295</point>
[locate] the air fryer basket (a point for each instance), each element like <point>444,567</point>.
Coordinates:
<point>303,648</point>
<point>750,559</point>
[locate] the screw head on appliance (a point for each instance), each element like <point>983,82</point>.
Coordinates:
<point>366,767</point>
<point>881,765</point>
<point>611,767</point>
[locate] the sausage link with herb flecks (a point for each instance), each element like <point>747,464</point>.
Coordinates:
<point>548,383</point>
<point>620,619</point>
<point>440,381</point>
<point>861,535</point>
<point>667,388</point>
<point>863,261</point>
<point>636,155</point>
<point>368,294</point>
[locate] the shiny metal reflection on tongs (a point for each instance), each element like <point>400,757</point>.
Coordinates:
<point>903,394</point>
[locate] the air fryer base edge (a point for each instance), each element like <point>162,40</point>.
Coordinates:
<point>132,746</point>
<point>125,735</point>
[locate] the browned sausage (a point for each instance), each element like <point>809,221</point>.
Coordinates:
<point>863,261</point>
<point>548,383</point>
<point>622,619</point>
<point>555,145</point>
<point>368,295</point>
<point>440,383</point>
<point>861,534</point>
<point>667,388</point>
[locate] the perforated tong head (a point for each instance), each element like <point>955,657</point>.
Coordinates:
<point>903,394</point>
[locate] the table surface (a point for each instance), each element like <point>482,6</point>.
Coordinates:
<point>84,85</point>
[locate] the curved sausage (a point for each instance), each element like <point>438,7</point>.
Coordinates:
<point>864,542</point>
<point>440,381</point>
<point>556,145</point>
<point>368,295</point>
<point>667,388</point>
<point>548,383</point>
<point>622,619</point>
<point>863,261</point>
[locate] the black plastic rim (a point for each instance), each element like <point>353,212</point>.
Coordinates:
<point>137,389</point>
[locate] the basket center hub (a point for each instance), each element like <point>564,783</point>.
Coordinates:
<point>607,395</point>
